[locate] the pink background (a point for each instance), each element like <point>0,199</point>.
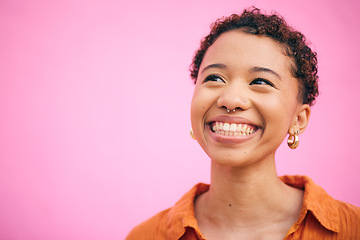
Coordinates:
<point>94,110</point>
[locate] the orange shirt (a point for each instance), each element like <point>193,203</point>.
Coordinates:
<point>321,217</point>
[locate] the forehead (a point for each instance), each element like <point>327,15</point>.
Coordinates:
<point>241,50</point>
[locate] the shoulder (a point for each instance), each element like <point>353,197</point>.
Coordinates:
<point>349,219</point>
<point>153,228</point>
<point>349,210</point>
<point>325,215</point>
<point>172,222</point>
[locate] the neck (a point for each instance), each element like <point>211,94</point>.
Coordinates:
<point>243,187</point>
<point>247,196</point>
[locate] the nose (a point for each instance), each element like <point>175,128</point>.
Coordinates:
<point>234,97</point>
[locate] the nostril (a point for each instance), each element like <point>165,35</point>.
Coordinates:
<point>242,104</point>
<point>228,110</point>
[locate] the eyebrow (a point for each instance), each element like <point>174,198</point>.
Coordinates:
<point>252,70</point>
<point>263,69</point>
<point>215,65</point>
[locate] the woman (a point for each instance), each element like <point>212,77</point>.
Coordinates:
<point>255,80</point>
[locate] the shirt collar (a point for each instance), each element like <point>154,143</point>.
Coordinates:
<point>182,215</point>
<point>316,201</point>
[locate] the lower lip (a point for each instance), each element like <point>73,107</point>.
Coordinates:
<point>230,139</point>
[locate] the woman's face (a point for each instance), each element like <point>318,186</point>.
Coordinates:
<point>251,74</point>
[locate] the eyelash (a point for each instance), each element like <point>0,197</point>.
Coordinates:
<point>211,78</point>
<point>263,80</point>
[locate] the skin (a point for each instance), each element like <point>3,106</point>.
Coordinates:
<point>246,199</point>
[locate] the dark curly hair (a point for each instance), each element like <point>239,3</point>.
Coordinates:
<point>252,21</point>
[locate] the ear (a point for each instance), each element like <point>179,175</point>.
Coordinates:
<point>301,119</point>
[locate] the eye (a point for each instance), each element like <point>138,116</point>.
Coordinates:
<point>214,78</point>
<point>261,81</point>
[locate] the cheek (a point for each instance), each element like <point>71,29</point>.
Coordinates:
<point>196,108</point>
<point>277,111</point>
<point>201,101</point>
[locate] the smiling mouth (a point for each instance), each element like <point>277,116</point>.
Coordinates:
<point>232,129</point>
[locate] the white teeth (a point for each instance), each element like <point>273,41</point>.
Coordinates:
<point>232,129</point>
<point>214,128</point>
<point>243,129</point>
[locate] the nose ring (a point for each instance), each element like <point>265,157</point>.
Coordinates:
<point>228,110</point>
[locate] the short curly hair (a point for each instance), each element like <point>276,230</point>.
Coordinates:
<point>252,21</point>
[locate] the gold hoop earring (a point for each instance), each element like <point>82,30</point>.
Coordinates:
<point>293,141</point>
<point>192,134</point>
